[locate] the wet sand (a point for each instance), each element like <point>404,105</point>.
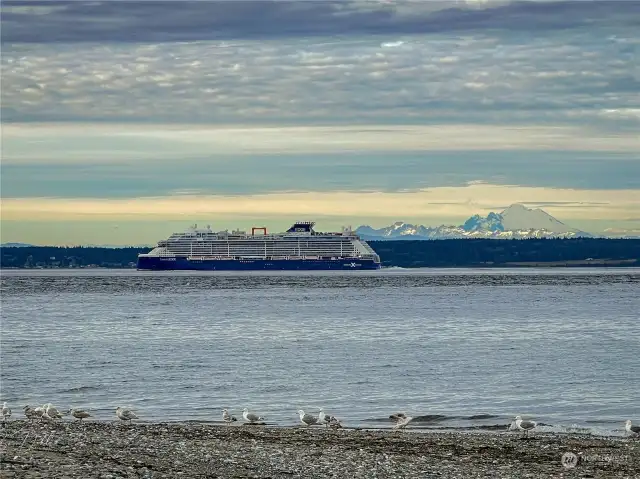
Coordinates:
<point>110,450</point>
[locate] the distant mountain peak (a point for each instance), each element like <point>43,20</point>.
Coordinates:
<point>519,217</point>
<point>516,221</point>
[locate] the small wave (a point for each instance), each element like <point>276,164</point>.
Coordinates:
<point>481,416</point>
<point>80,389</point>
<point>432,418</point>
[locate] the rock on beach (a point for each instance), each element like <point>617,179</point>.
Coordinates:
<point>33,449</point>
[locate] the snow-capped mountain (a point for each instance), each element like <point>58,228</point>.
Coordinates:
<point>517,222</point>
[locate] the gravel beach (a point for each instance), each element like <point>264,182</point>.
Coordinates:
<point>110,450</point>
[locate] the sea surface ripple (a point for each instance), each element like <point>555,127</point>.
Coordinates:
<point>462,348</point>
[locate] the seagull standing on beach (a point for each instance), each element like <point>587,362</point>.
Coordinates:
<point>633,430</point>
<point>401,420</point>
<point>40,412</point>
<point>328,420</point>
<point>125,414</point>
<point>30,413</point>
<point>79,413</point>
<point>334,423</point>
<point>307,419</point>
<point>6,411</point>
<point>51,411</point>
<point>226,417</point>
<point>525,425</point>
<point>250,417</point>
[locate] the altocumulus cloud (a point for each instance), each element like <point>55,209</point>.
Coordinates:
<point>322,62</point>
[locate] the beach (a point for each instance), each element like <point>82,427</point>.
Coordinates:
<point>32,449</point>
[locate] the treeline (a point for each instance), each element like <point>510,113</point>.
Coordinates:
<point>69,257</point>
<point>492,252</point>
<point>407,254</point>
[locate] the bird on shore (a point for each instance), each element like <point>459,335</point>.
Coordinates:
<point>30,413</point>
<point>6,411</point>
<point>125,414</point>
<point>226,417</point>
<point>401,420</point>
<point>51,411</point>
<point>79,413</point>
<point>40,412</point>
<point>334,423</point>
<point>525,425</point>
<point>307,419</point>
<point>250,417</point>
<point>328,420</point>
<point>633,430</point>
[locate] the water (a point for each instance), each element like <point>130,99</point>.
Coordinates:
<point>463,348</point>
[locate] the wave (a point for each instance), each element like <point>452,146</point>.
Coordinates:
<point>435,418</point>
<point>80,389</point>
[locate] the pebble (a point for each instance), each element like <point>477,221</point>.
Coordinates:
<point>145,450</point>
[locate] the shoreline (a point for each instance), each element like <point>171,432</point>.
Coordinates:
<point>32,449</point>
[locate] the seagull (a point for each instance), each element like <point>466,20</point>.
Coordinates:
<point>401,420</point>
<point>40,411</point>
<point>250,417</point>
<point>51,411</point>
<point>125,414</point>
<point>226,417</point>
<point>46,417</point>
<point>30,413</point>
<point>633,430</point>
<point>525,425</point>
<point>328,420</point>
<point>307,419</point>
<point>79,413</point>
<point>334,423</point>
<point>6,411</point>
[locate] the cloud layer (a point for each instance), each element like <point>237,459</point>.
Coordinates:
<point>128,161</point>
<point>493,65</point>
<point>153,21</point>
<point>442,202</point>
<point>226,109</point>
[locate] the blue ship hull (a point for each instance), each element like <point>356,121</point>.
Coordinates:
<point>155,263</point>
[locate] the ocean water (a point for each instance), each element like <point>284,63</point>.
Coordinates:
<point>464,349</point>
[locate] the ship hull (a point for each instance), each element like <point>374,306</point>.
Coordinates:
<point>155,263</point>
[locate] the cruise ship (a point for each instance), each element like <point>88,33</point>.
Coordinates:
<point>300,248</point>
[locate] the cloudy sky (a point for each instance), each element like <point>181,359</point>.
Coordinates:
<point>123,121</point>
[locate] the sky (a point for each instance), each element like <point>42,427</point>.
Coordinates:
<point>124,121</point>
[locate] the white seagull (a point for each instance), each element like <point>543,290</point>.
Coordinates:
<point>40,412</point>
<point>79,413</point>
<point>250,417</point>
<point>328,420</point>
<point>525,425</point>
<point>51,411</point>
<point>633,430</point>
<point>226,417</point>
<point>6,411</point>
<point>125,414</point>
<point>307,419</point>
<point>401,420</point>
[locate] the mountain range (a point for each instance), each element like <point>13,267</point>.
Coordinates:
<point>517,222</point>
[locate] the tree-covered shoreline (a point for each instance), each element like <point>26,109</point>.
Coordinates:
<point>405,254</point>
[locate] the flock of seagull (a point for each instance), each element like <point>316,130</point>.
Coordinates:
<point>49,412</point>
<point>322,419</point>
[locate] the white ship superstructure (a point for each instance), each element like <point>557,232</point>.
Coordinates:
<point>267,251</point>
